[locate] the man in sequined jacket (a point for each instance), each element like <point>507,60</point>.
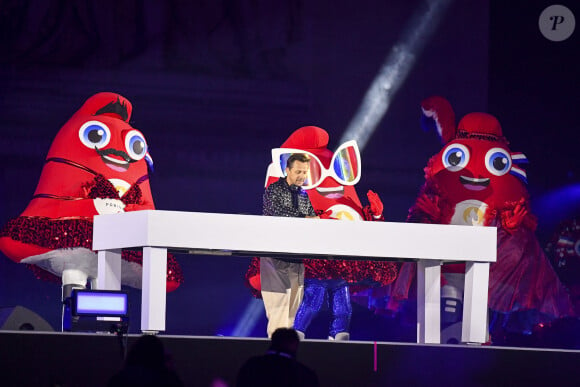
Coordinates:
<point>283,279</point>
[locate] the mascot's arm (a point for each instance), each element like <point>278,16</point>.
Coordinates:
<point>59,197</point>
<point>427,209</point>
<point>60,207</point>
<point>430,207</point>
<point>374,211</point>
<point>139,197</point>
<point>518,216</point>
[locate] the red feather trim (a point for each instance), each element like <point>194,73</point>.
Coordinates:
<point>67,233</point>
<point>50,233</point>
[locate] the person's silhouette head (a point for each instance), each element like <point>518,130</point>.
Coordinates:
<point>285,340</point>
<point>147,351</point>
<point>146,365</point>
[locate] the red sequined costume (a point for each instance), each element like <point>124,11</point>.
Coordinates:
<point>97,164</point>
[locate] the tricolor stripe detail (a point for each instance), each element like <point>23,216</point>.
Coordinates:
<point>519,158</point>
<point>432,114</point>
<point>520,173</point>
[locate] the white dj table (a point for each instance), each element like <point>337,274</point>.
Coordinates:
<point>430,245</point>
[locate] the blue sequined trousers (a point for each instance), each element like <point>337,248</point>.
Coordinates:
<point>316,291</point>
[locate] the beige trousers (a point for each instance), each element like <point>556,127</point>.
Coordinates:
<point>282,291</point>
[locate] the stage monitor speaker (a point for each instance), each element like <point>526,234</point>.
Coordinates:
<point>19,318</point>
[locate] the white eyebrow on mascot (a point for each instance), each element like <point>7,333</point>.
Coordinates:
<point>97,164</point>
<point>477,180</point>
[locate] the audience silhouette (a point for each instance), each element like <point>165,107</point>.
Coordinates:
<point>278,366</point>
<point>147,364</point>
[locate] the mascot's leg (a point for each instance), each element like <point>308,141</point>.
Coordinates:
<point>296,275</point>
<point>314,293</point>
<point>93,283</point>
<point>71,279</point>
<point>452,308</point>
<point>341,310</point>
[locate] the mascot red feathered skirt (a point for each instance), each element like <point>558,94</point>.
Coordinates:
<point>477,180</point>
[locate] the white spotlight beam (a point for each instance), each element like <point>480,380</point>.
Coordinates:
<point>376,102</point>
<point>394,71</point>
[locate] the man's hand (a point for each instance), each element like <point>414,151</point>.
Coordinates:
<point>326,215</point>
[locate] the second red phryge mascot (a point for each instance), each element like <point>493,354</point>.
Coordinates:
<point>331,189</point>
<point>476,180</point>
<point>97,164</point>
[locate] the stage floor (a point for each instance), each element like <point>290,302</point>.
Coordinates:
<point>80,359</point>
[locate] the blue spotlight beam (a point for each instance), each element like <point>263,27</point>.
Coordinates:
<point>248,320</point>
<point>556,206</point>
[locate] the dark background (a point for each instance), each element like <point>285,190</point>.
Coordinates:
<point>216,84</point>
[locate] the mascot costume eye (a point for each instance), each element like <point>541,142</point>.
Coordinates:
<point>97,164</point>
<point>331,189</point>
<point>477,180</point>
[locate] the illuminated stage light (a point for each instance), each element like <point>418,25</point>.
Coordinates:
<point>99,303</point>
<point>394,71</point>
<point>99,311</point>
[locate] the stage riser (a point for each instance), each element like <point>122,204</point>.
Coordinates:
<point>47,359</point>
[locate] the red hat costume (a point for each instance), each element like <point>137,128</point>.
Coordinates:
<point>476,180</point>
<point>97,164</point>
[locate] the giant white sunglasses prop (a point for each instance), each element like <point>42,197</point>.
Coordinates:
<point>344,166</point>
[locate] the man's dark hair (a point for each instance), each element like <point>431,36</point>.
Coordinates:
<point>285,340</point>
<point>296,157</point>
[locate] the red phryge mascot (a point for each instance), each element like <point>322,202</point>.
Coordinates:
<point>97,164</point>
<point>331,190</point>
<point>476,180</point>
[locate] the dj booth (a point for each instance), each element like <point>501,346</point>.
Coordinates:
<point>430,245</point>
